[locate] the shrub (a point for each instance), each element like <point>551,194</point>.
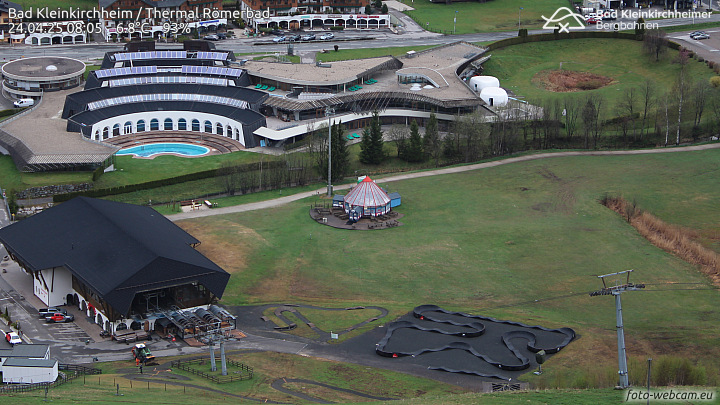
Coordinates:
<point>337,28</point>
<point>715,81</point>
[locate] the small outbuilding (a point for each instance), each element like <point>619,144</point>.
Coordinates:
<point>29,371</point>
<point>494,96</point>
<point>367,199</point>
<point>395,200</point>
<point>478,83</point>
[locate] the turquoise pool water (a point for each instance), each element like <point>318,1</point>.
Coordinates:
<point>184,149</point>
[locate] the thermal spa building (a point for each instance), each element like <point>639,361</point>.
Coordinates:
<point>143,89</point>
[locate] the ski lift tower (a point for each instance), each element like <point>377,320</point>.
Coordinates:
<point>616,291</point>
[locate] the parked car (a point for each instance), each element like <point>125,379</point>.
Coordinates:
<point>279,39</point>
<point>211,37</point>
<point>592,20</point>
<point>12,338</point>
<point>701,36</point>
<point>308,37</point>
<point>696,33</point>
<point>294,37</point>
<point>43,312</point>
<point>327,36</point>
<point>24,102</point>
<point>59,317</point>
<point>276,32</point>
<point>222,35</point>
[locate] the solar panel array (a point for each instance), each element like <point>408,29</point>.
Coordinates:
<point>212,55</point>
<point>212,70</point>
<point>216,81</point>
<point>122,56</point>
<point>125,71</point>
<point>139,98</point>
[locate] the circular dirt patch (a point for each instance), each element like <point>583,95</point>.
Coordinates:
<point>570,80</point>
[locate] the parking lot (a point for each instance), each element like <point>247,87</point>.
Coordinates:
<point>707,48</point>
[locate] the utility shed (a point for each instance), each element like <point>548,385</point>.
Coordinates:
<point>395,199</point>
<point>28,371</point>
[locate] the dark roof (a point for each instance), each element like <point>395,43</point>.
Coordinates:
<point>245,116</point>
<point>21,362</point>
<point>116,249</point>
<point>6,5</point>
<point>37,351</point>
<point>394,196</point>
<point>81,98</point>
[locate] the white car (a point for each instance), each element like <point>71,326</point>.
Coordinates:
<point>279,39</point>
<point>24,102</point>
<point>327,36</point>
<point>12,338</point>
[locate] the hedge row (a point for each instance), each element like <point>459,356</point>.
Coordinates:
<point>557,36</point>
<point>129,188</point>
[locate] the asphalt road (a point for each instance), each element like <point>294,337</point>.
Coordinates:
<point>382,38</point>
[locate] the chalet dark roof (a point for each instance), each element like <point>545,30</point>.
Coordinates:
<point>151,3</point>
<point>115,249</point>
<point>7,5</point>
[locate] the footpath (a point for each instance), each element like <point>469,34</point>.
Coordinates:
<point>455,169</point>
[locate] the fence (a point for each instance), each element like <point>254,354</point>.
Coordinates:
<point>73,372</point>
<point>245,373</point>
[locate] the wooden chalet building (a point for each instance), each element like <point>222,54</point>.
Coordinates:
<point>125,266</point>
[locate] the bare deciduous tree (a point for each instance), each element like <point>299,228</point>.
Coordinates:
<point>655,43</point>
<point>647,99</point>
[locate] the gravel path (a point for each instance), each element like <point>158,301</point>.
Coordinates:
<point>456,169</point>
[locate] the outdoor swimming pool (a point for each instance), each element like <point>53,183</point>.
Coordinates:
<point>183,149</point>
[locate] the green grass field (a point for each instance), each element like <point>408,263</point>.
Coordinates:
<point>621,60</point>
<point>491,242</point>
<point>490,16</point>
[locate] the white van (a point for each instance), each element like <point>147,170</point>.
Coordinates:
<point>24,102</point>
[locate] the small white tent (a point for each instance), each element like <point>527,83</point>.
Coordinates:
<point>494,96</point>
<point>478,83</point>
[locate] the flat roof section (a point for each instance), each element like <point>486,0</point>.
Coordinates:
<point>44,133</point>
<point>306,74</point>
<point>43,68</point>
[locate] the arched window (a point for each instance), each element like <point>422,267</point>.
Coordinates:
<point>218,128</point>
<point>208,127</point>
<point>154,124</point>
<point>237,134</point>
<point>182,124</point>
<point>168,124</point>
<point>128,127</point>
<point>196,125</point>
<point>106,133</point>
<point>97,135</point>
<point>141,126</point>
<point>228,131</point>
<point>116,129</point>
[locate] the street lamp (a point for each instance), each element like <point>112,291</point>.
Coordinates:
<point>454,22</point>
<point>519,11</point>
<point>328,112</point>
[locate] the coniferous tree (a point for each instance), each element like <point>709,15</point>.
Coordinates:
<point>431,142</point>
<point>371,146</point>
<point>414,152</point>
<point>340,153</point>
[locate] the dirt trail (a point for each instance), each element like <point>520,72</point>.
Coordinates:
<point>456,169</point>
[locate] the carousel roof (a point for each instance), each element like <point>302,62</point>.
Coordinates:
<point>367,194</point>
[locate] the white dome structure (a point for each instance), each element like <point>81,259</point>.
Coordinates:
<point>478,83</point>
<point>494,96</point>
